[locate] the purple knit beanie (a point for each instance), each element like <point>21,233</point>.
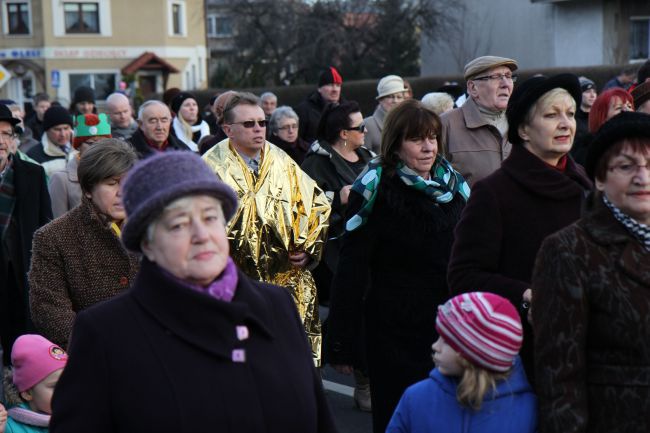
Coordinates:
<point>155,182</point>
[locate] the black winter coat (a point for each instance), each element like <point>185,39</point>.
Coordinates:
<point>161,358</point>
<point>506,219</point>
<point>400,259</point>
<point>143,150</point>
<point>32,210</point>
<point>309,112</point>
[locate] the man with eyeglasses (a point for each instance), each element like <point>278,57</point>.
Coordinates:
<point>24,207</point>
<point>152,135</point>
<point>390,92</point>
<point>475,134</point>
<point>278,232</point>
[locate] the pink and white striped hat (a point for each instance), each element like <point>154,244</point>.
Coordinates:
<point>483,327</point>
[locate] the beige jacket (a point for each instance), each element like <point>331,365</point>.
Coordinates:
<point>374,126</point>
<point>64,188</point>
<point>473,146</point>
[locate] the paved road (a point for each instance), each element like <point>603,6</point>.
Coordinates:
<point>339,390</point>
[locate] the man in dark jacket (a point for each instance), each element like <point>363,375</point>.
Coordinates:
<point>309,110</point>
<point>154,122</point>
<point>24,207</point>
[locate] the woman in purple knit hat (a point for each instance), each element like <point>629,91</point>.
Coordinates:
<point>195,345</point>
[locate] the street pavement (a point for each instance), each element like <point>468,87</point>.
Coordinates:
<point>339,389</point>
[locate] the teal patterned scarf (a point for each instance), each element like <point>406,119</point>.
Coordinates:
<point>444,184</point>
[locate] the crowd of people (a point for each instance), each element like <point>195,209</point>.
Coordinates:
<point>484,253</point>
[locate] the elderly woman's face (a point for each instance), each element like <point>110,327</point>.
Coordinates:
<point>107,197</point>
<point>288,129</point>
<point>549,134</point>
<point>189,240</point>
<point>627,183</point>
<point>419,154</point>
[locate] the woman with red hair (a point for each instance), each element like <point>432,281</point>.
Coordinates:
<point>607,105</point>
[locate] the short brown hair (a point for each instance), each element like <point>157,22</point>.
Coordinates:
<point>240,98</point>
<point>635,144</point>
<point>409,120</point>
<point>105,159</point>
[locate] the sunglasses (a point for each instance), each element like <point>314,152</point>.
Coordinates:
<point>251,123</point>
<point>360,128</point>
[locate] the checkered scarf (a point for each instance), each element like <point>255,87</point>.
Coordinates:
<point>638,230</point>
<point>7,197</point>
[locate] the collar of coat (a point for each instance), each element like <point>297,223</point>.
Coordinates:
<point>323,148</point>
<point>52,149</point>
<point>601,225</point>
<point>540,179</point>
<point>472,115</point>
<point>201,320</point>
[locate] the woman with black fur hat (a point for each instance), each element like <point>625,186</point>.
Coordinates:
<point>591,295</point>
<point>538,190</point>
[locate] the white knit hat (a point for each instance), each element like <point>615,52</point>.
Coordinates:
<point>483,327</point>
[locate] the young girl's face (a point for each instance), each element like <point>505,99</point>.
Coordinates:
<point>39,397</point>
<point>446,358</point>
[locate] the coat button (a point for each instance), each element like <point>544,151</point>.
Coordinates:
<point>124,281</point>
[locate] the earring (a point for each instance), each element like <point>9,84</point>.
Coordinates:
<point>345,143</point>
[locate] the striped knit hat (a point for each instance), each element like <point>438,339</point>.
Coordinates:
<point>483,327</point>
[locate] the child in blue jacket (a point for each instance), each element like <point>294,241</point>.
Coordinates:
<point>479,384</point>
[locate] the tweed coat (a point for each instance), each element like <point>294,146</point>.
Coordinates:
<point>473,146</point>
<point>77,261</point>
<point>591,312</point>
<point>163,357</point>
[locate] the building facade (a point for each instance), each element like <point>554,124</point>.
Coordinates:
<point>221,38</point>
<point>55,46</point>
<point>542,34</point>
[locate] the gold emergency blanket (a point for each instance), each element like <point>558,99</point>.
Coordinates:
<point>281,209</point>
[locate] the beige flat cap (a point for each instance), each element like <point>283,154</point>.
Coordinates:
<point>482,64</point>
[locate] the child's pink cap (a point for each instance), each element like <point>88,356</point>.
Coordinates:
<point>34,357</point>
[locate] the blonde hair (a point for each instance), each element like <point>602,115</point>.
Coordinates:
<point>475,382</point>
<point>545,100</point>
<point>12,395</point>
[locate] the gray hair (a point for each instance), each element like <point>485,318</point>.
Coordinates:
<point>149,104</point>
<point>281,113</point>
<point>268,95</point>
<point>439,102</point>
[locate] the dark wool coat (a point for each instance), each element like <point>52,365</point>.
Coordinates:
<point>591,298</point>
<point>159,358</point>
<point>32,210</point>
<point>309,113</point>
<point>296,151</point>
<point>400,259</point>
<point>506,219</point>
<point>77,262</point>
<point>143,150</point>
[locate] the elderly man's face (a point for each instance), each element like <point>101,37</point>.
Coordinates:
<point>60,134</point>
<point>493,88</point>
<point>247,140</point>
<point>330,92</point>
<point>6,140</point>
<point>119,111</point>
<point>268,105</point>
<point>189,240</point>
<point>155,123</point>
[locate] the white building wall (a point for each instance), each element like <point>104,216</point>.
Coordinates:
<point>537,35</point>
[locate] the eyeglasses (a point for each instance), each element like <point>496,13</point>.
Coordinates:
<point>251,123</point>
<point>288,127</point>
<point>360,128</point>
<point>7,136</point>
<point>496,77</point>
<point>628,169</point>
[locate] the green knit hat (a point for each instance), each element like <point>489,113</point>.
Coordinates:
<point>88,126</point>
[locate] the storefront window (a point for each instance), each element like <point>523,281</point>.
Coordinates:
<point>104,84</point>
